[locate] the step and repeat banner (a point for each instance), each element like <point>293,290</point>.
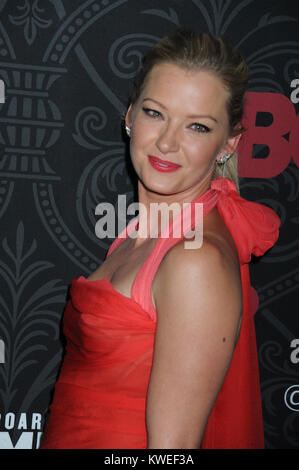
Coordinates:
<point>66,70</point>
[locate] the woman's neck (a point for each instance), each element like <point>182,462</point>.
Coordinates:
<point>157,210</point>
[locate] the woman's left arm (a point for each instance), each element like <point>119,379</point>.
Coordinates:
<point>199,305</point>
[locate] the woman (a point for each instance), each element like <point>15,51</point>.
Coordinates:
<point>161,348</point>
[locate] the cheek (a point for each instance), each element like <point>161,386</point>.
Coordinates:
<point>200,150</point>
<point>142,135</point>
<point>138,143</point>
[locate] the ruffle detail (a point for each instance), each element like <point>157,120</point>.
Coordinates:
<point>254,227</point>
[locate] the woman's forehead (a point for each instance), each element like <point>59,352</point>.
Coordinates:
<point>173,84</point>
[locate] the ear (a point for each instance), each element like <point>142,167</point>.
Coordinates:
<point>128,118</point>
<point>231,145</point>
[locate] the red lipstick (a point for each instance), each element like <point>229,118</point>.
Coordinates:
<point>162,165</point>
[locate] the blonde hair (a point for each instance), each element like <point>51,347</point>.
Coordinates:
<point>196,50</point>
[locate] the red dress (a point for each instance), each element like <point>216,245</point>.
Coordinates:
<point>100,396</point>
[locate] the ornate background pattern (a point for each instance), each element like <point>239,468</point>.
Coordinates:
<point>67,66</point>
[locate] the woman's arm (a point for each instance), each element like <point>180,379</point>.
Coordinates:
<point>199,303</point>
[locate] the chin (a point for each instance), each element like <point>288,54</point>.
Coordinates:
<point>157,189</point>
<point>162,189</point>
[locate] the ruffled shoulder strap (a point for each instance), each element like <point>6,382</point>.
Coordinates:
<point>253,226</point>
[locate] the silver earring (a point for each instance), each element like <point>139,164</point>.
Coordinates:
<point>224,159</point>
<point>128,131</point>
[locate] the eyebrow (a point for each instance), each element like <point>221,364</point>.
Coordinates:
<point>191,116</point>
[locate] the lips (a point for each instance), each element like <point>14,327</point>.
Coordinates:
<point>162,165</point>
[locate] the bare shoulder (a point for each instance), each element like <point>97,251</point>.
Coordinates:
<point>207,277</point>
<point>212,257</point>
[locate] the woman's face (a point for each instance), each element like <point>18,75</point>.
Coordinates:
<point>179,126</point>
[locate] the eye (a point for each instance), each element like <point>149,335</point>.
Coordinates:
<point>151,112</point>
<point>200,127</point>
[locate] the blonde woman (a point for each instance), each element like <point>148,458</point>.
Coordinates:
<point>161,350</point>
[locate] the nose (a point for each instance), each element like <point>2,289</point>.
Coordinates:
<point>168,140</point>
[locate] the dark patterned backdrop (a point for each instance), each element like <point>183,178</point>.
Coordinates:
<point>67,67</point>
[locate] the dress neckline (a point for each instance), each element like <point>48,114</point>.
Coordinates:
<point>208,199</point>
<point>106,284</point>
